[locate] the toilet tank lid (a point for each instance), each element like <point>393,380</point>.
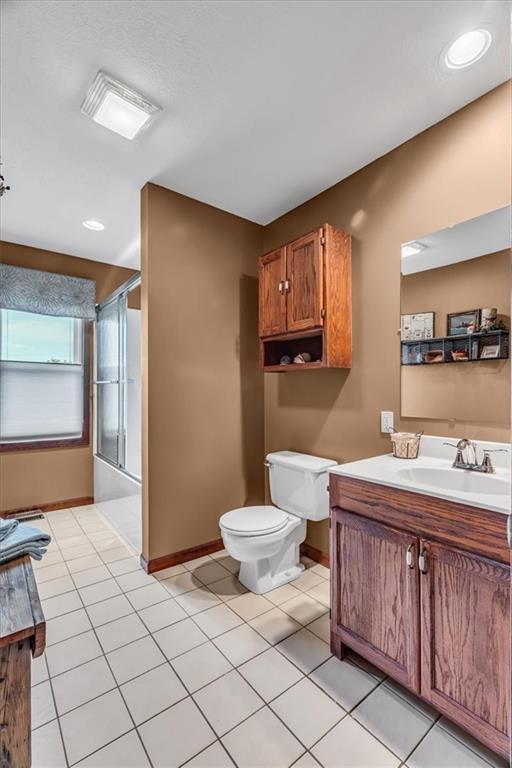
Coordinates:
<point>302,461</point>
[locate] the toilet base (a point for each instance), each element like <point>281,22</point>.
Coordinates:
<point>260,576</point>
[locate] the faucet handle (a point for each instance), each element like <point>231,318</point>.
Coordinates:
<point>452,445</point>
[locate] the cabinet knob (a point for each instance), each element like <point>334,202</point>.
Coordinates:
<point>409,557</point>
<point>280,286</point>
<point>422,561</point>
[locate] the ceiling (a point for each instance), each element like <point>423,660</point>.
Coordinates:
<point>265,104</point>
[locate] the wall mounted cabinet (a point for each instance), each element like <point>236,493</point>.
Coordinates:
<point>305,301</point>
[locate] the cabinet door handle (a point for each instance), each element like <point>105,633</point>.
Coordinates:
<point>422,561</point>
<point>408,556</point>
<point>280,286</point>
<point>286,285</point>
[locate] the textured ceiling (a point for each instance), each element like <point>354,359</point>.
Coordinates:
<point>265,103</point>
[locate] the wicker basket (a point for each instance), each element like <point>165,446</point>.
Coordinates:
<point>405,444</point>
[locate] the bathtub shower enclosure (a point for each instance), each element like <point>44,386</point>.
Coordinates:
<point>117,455</point>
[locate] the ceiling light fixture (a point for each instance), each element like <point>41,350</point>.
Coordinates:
<point>467,49</point>
<point>412,248</point>
<point>96,226</point>
<point>117,107</point>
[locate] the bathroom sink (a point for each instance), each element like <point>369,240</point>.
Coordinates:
<point>461,480</point>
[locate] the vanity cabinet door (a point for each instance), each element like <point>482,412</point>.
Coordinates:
<point>272,296</point>
<point>304,273</point>
<point>466,643</point>
<point>375,602</point>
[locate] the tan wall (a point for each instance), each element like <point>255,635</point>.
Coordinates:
<point>30,478</point>
<point>478,391</point>
<point>456,170</point>
<point>202,391</point>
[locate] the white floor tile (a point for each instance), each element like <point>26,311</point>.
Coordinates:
<point>100,591</point>
<point>197,600</point>
<point>217,620</point>
<point>65,626</point>
<point>49,572</point>
<point>80,550</point>
<point>322,571</point>
<point>348,745</point>
<point>180,637</point>
<point>134,580</point>
<point>241,644</point>
<point>146,596</point>
<point>306,761</point>
<point>91,576</point>
<point>307,711</point>
<point>70,653</point>
<point>167,573</point>
<point>43,708</point>
<point>61,604</point>
<point>126,752</point>
<point>55,587</point>
<point>121,567</point>
<point>176,735</point>
<point>84,563</point>
<point>210,572</point>
<point>38,670</point>
<point>307,580</point>
<point>228,701</point>
<point>121,632</point>
<point>345,682</point>
<point>270,674</point>
<point>212,757</point>
<point>227,562</point>
<point>322,627</point>
<point>275,625</point>
<point>191,565</point>
<point>322,593</point>
<point>469,741</point>
<point>183,582</point>
<point>303,609</point>
<point>109,610</point>
<point>118,553</point>
<point>82,684</point>
<point>135,658</point>
<point>93,725</point>
<point>227,588</point>
<point>47,749</point>
<point>200,666</point>
<point>282,594</point>
<point>249,606</point>
<point>162,614</point>
<point>152,692</point>
<point>262,740</point>
<point>305,650</point>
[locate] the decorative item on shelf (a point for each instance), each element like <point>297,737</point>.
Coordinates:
<point>417,327</point>
<point>489,351</point>
<point>419,357</point>
<point>434,356</point>
<point>460,355</point>
<point>285,360</point>
<point>489,316</point>
<point>301,358</point>
<point>462,323</point>
<point>405,444</point>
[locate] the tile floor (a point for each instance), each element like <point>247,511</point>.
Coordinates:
<point>187,668</point>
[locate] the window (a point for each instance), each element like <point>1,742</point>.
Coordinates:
<point>43,381</point>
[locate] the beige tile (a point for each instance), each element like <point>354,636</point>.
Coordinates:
<point>51,557</point>
<point>47,749</point>
<point>93,725</point>
<point>217,620</point>
<point>345,682</point>
<point>200,666</point>
<point>470,741</point>
<point>70,653</point>
<point>307,711</point>
<point>91,576</point>
<point>211,757</point>
<point>270,674</point>
<point>348,745</point>
<point>241,644</point>
<point>80,550</point>
<point>84,563</point>
<point>49,572</point>
<point>167,573</point>
<point>108,610</point>
<point>121,632</point>
<point>227,562</point>
<point>227,701</point>
<point>152,692</point>
<point>61,604</point>
<point>107,543</point>
<point>177,734</point>
<point>249,606</point>
<point>38,670</point>
<point>306,761</point>
<point>65,626</point>
<point>55,587</point>
<point>321,570</point>
<point>146,596</point>
<point>275,625</point>
<point>162,614</point>
<point>134,580</point>
<point>307,580</point>
<point>305,650</point>
<point>303,609</point>
<point>282,594</point>
<point>321,593</point>
<point>183,582</point>
<point>121,567</point>
<point>227,588</point>
<point>191,565</point>
<point>126,752</point>
<point>135,658</point>
<point>100,591</point>
<point>262,740</point>
<point>322,627</point>
<point>439,749</point>
<point>43,708</point>
<point>197,600</point>
<point>179,638</point>
<point>118,553</point>
<point>210,572</point>
<point>82,684</point>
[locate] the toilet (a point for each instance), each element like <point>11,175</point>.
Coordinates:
<point>266,539</point>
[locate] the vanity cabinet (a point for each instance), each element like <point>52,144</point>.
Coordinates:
<point>305,303</point>
<point>421,588</point>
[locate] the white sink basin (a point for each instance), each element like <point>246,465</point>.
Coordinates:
<point>461,480</point>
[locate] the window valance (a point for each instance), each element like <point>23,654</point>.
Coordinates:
<point>46,293</point>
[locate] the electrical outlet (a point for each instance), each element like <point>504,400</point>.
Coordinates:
<point>386,421</point>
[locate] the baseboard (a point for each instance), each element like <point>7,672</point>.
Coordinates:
<point>315,554</point>
<point>183,556</point>
<point>50,506</point>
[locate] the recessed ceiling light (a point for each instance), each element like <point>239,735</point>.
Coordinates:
<point>412,248</point>
<point>117,107</point>
<point>97,226</point>
<point>468,49</point>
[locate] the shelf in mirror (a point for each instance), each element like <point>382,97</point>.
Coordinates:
<point>468,348</point>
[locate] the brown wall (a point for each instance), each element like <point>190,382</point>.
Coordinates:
<point>30,478</point>
<point>456,170</point>
<point>478,391</point>
<point>202,392</point>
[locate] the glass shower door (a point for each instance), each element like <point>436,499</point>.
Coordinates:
<point>108,378</point>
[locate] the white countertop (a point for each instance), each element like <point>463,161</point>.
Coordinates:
<point>432,474</point>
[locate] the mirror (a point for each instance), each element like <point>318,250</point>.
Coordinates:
<point>455,322</point>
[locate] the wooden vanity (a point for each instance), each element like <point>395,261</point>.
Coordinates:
<point>421,588</point>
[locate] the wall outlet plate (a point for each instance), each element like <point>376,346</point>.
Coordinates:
<point>386,421</point>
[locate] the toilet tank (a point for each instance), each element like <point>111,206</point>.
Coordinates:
<point>298,483</point>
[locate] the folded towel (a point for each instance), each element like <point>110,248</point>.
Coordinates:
<point>6,526</point>
<point>24,540</point>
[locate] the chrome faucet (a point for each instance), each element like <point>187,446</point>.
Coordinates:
<point>466,457</point>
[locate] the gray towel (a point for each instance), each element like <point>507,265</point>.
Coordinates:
<point>24,540</point>
<point>6,526</point>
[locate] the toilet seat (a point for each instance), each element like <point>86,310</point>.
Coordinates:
<point>254,521</point>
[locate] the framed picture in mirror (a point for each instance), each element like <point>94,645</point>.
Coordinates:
<point>461,323</point>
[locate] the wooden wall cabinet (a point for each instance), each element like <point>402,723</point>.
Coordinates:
<point>431,612</point>
<point>305,301</point>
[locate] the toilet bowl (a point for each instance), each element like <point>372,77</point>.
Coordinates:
<point>266,539</point>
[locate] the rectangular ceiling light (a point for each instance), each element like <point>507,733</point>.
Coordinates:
<point>117,107</point>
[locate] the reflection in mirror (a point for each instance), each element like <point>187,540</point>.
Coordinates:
<point>455,322</point>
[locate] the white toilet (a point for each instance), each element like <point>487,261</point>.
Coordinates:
<point>266,540</point>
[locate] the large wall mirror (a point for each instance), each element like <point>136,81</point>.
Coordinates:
<point>455,322</point>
